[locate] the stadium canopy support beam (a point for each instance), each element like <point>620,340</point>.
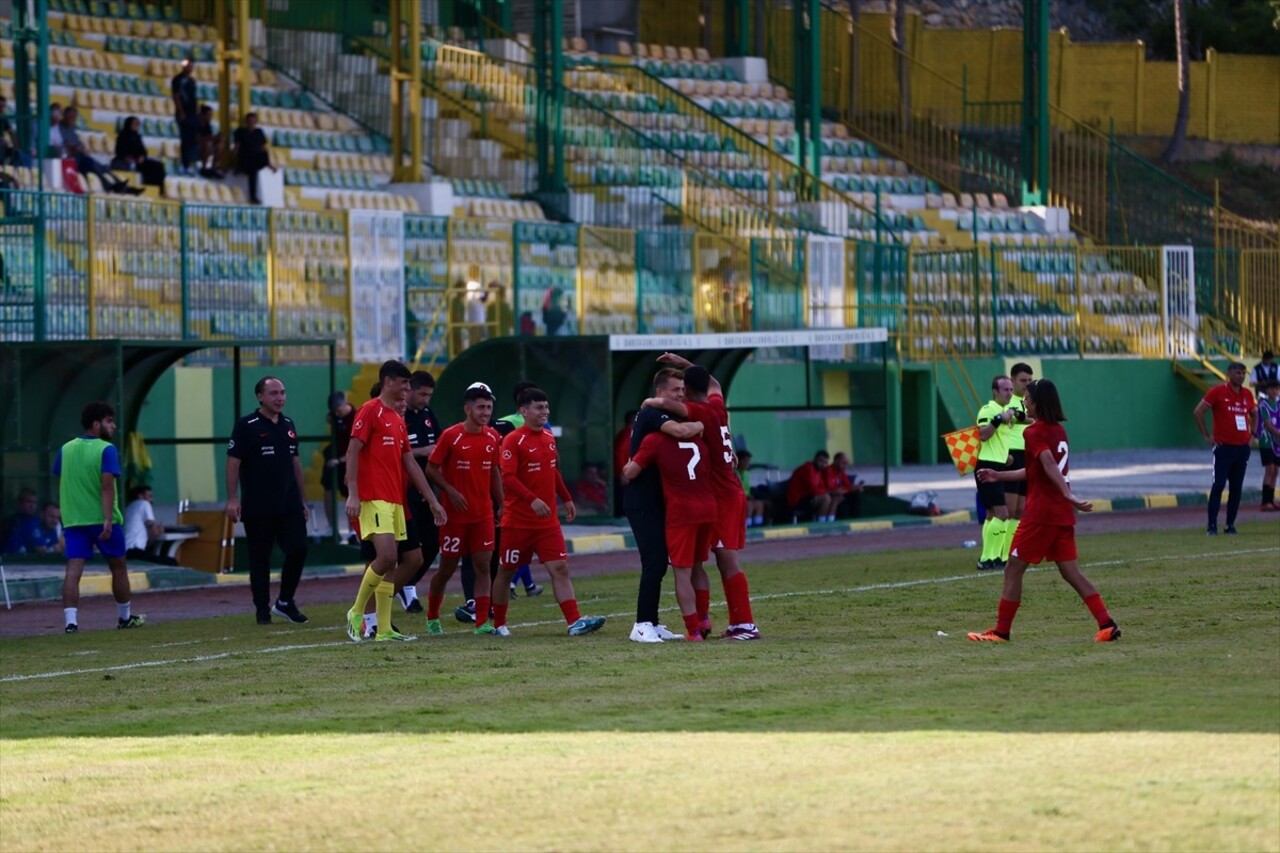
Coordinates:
<point>807,53</point>
<point>548,37</point>
<point>29,28</point>
<point>406,108</point>
<point>1035,102</point>
<point>737,27</point>
<point>233,64</point>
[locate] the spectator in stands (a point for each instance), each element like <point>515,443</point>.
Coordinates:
<point>807,492</point>
<point>209,140</point>
<point>527,325</point>
<point>55,129</point>
<point>844,487</point>
<point>42,533</point>
<point>131,154</point>
<point>591,492</point>
<point>183,88</point>
<point>249,145</point>
<point>759,509</point>
<point>27,505</point>
<point>142,533</point>
<point>86,164</point>
<point>553,314</point>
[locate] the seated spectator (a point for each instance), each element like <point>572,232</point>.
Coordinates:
<point>759,509</point>
<point>131,154</point>
<point>42,534</point>
<point>209,141</point>
<point>55,130</point>
<point>252,155</point>
<point>10,152</point>
<point>27,506</point>
<point>807,493</point>
<point>85,164</point>
<point>591,492</point>
<point>844,487</point>
<point>142,533</point>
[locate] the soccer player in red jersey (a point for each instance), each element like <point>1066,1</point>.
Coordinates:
<point>691,512</point>
<point>704,402</point>
<point>1234,421</point>
<point>465,466</point>
<point>531,481</point>
<point>1047,530</point>
<point>378,460</point>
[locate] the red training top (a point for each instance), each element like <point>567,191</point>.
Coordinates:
<point>467,461</point>
<point>806,482</point>
<point>1045,503</point>
<point>718,440</point>
<point>530,469</point>
<point>686,477</point>
<point>1230,409</point>
<point>381,475</point>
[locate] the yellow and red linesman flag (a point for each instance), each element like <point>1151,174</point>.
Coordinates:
<point>963,445</point>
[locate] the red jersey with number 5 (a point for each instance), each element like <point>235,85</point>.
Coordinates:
<point>714,417</point>
<point>685,474</point>
<point>1045,503</point>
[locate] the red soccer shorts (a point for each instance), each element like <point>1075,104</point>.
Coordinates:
<point>731,522</point>
<point>1036,543</point>
<point>464,538</point>
<point>689,543</point>
<point>519,544</point>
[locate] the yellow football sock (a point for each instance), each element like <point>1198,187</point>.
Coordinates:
<point>368,584</point>
<point>1010,528</point>
<point>991,534</point>
<point>382,603</point>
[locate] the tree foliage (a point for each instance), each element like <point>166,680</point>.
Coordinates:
<point>1227,26</point>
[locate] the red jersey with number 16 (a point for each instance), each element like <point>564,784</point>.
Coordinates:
<point>380,475</point>
<point>719,443</point>
<point>467,462</point>
<point>1045,503</point>
<point>530,469</point>
<point>686,477</point>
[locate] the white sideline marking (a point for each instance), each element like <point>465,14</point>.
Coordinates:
<point>798,593</point>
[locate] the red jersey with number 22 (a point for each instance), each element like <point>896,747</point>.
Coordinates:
<point>718,441</point>
<point>686,477</point>
<point>467,462</point>
<point>1045,503</point>
<point>380,475</point>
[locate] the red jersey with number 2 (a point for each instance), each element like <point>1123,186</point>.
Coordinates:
<point>467,461</point>
<point>686,477</point>
<point>714,417</point>
<point>1045,503</point>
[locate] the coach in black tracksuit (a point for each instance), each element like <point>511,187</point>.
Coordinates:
<point>643,505</point>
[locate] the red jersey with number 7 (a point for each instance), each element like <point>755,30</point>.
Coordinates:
<point>685,474</point>
<point>714,417</point>
<point>1045,503</point>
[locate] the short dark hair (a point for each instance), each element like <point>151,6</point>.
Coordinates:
<point>26,492</point>
<point>421,379</point>
<point>261,384</point>
<point>48,504</point>
<point>1270,383</point>
<point>1020,367</point>
<point>137,492</point>
<point>1044,394</point>
<point>393,368</point>
<point>94,412</point>
<point>531,395</point>
<point>666,374</point>
<point>1267,355</point>
<point>820,454</point>
<point>995,381</point>
<point>697,379</point>
<point>520,387</point>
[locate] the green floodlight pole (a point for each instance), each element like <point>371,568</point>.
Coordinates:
<point>30,28</point>
<point>548,35</point>
<point>807,55</point>
<point>1035,102</point>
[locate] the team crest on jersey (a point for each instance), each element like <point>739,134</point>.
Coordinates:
<point>293,435</point>
<point>506,454</point>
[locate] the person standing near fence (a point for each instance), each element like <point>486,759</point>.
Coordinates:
<point>88,467</point>
<point>264,469</point>
<point>1233,410</point>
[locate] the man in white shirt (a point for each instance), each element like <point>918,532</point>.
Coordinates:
<point>141,531</point>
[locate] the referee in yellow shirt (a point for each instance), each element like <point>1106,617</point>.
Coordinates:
<point>1015,493</point>
<point>993,430</point>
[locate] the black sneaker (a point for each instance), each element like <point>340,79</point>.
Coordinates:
<point>1212,530</point>
<point>137,620</point>
<point>264,617</point>
<point>414,606</point>
<point>289,611</point>
<point>1230,530</point>
<point>71,629</point>
<point>466,613</point>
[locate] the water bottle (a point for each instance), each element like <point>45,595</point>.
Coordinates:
<point>971,543</point>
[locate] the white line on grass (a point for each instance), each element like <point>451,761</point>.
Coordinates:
<point>770,597</point>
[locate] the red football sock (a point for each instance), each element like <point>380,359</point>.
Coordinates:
<point>500,615</point>
<point>692,624</point>
<point>737,593</point>
<point>1004,615</point>
<point>433,605</point>
<point>1098,609</point>
<point>482,610</point>
<point>570,610</point>
<point>702,598</point>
